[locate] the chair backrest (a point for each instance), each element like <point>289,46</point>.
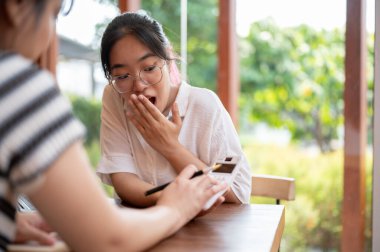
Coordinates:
<point>279,188</point>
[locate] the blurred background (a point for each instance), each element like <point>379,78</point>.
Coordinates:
<point>291,57</point>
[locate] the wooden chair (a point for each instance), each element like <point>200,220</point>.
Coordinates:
<point>279,188</point>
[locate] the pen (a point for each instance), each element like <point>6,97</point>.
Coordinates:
<point>196,174</point>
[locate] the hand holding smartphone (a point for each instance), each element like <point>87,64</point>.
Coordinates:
<point>225,173</point>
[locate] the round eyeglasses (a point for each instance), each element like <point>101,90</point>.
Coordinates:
<point>149,76</point>
<point>66,6</point>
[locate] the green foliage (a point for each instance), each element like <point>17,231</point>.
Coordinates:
<point>202,39</point>
<point>87,110</point>
<point>313,220</point>
<point>93,153</point>
<point>293,78</point>
<point>370,91</point>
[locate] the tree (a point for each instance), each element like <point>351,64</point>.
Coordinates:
<point>293,78</point>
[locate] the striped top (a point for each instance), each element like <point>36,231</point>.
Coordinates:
<point>36,126</point>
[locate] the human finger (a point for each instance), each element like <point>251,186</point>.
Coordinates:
<point>206,181</point>
<point>139,126</point>
<point>188,172</point>
<point>176,118</point>
<point>40,236</point>
<point>153,110</point>
<point>141,104</point>
<point>140,114</point>
<point>217,203</point>
<point>214,189</point>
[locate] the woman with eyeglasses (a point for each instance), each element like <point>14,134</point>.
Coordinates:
<point>154,124</point>
<point>42,157</point>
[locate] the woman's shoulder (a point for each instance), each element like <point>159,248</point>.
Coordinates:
<point>205,106</point>
<point>18,72</point>
<point>12,64</point>
<point>110,97</point>
<point>109,94</point>
<point>112,103</point>
<point>203,96</point>
<point>204,99</point>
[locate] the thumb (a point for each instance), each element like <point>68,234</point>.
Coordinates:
<point>175,114</point>
<point>188,171</point>
<point>41,237</point>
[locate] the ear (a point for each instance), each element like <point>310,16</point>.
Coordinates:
<point>16,10</point>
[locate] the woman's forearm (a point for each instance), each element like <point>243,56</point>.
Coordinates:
<point>85,219</point>
<point>73,203</point>
<point>131,190</point>
<point>161,221</point>
<point>179,157</point>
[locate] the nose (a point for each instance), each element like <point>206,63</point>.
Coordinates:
<point>138,85</point>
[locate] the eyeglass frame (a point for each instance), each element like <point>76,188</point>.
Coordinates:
<point>66,7</point>
<point>112,78</point>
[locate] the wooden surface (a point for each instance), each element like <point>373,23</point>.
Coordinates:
<point>276,187</point>
<point>228,85</point>
<point>129,5</point>
<point>231,227</point>
<point>355,128</point>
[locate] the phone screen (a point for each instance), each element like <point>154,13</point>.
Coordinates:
<point>225,168</point>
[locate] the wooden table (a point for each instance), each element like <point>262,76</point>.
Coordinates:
<point>231,227</point>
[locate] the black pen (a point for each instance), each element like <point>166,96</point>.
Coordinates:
<point>196,174</point>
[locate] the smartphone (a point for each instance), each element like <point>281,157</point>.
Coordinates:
<point>225,173</point>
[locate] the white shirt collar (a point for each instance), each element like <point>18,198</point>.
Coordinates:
<point>182,99</point>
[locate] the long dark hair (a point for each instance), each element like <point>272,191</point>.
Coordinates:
<point>39,7</point>
<point>143,27</point>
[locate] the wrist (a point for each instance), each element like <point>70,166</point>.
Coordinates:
<point>171,150</point>
<point>173,215</point>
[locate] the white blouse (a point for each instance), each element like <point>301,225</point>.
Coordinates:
<point>207,131</point>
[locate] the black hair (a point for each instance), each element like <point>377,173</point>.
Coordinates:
<point>143,27</point>
<point>39,7</point>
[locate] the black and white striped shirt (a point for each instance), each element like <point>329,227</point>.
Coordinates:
<point>36,126</point>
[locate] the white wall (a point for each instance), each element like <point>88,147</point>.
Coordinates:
<point>74,76</point>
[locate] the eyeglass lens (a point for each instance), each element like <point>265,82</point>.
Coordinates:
<point>149,76</point>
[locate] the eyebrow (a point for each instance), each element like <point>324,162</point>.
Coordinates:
<point>148,55</point>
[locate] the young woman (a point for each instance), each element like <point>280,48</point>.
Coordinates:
<point>152,123</point>
<point>41,154</point>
